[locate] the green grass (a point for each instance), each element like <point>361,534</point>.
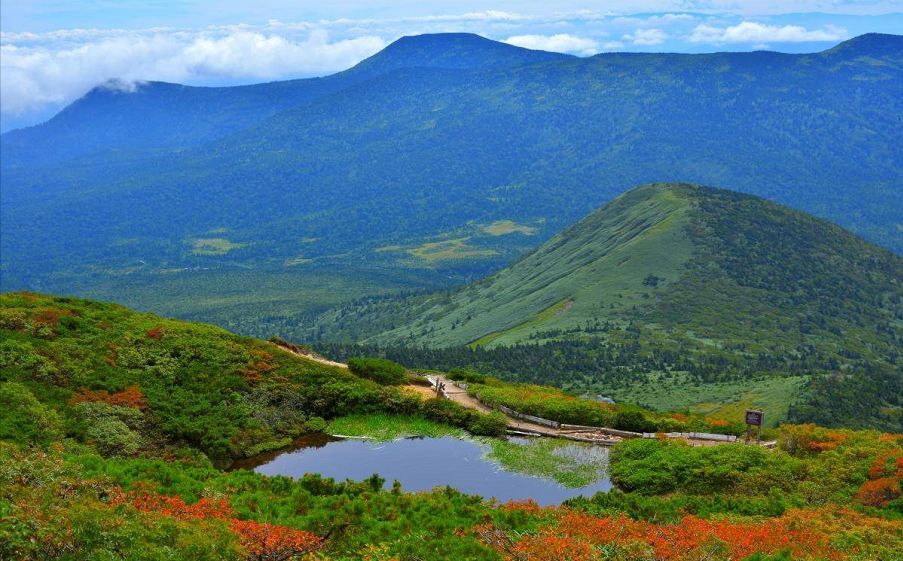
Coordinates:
<point>505,227</point>
<point>384,427</point>
<point>720,400</point>
<point>572,464</point>
<point>457,248</point>
<point>540,319</point>
<point>214,246</point>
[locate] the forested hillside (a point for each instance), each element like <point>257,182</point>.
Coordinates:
<point>672,285</point>
<point>439,159</point>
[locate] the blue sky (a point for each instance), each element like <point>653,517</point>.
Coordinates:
<point>52,52</point>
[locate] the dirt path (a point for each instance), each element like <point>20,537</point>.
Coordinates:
<point>452,392</point>
<point>295,350</point>
<point>460,396</point>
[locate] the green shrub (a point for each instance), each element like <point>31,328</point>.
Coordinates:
<point>316,424</point>
<point>493,424</point>
<point>673,507</point>
<point>24,419</point>
<point>633,421</point>
<point>110,428</point>
<point>651,466</point>
<point>467,376</point>
<point>450,413</point>
<point>380,370</point>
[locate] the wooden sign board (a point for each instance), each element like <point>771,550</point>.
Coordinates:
<point>755,418</point>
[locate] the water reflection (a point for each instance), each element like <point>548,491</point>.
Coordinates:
<point>421,464</point>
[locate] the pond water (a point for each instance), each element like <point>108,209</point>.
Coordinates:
<point>421,464</point>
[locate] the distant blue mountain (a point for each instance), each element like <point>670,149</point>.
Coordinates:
<point>444,155</point>
<point>128,116</point>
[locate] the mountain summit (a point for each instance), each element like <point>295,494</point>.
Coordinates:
<point>452,50</point>
<point>877,45</point>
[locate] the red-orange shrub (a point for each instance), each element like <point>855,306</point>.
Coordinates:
<point>132,396</point>
<point>155,333</point>
<point>574,535</point>
<point>254,372</point>
<point>270,542</point>
<point>262,541</point>
<point>879,492</point>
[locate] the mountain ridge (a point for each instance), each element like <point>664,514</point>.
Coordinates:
<point>253,103</point>
<point>411,172</point>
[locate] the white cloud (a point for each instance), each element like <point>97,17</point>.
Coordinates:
<point>37,74</point>
<point>759,33</point>
<point>561,43</point>
<point>487,15</point>
<point>647,37</point>
<point>668,18</point>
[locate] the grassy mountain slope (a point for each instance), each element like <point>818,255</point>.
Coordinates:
<point>412,167</point>
<point>132,383</point>
<point>669,280</point>
<point>593,270</point>
<point>715,263</point>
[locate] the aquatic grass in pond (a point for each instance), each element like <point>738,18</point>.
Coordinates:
<point>421,464</point>
<point>389,427</point>
<point>572,464</point>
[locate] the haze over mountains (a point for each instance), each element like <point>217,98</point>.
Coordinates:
<point>438,160</point>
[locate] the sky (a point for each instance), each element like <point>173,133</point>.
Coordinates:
<point>52,52</point>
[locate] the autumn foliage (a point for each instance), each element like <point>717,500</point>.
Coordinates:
<point>270,542</point>
<point>260,364</point>
<point>884,483</point>
<point>174,507</point>
<point>132,396</point>
<point>261,541</point>
<point>808,437</point>
<point>576,536</point>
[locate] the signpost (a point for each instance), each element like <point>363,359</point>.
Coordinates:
<point>754,418</point>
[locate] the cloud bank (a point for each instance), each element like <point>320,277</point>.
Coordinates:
<point>758,33</point>
<point>647,37</point>
<point>55,69</point>
<point>561,43</point>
